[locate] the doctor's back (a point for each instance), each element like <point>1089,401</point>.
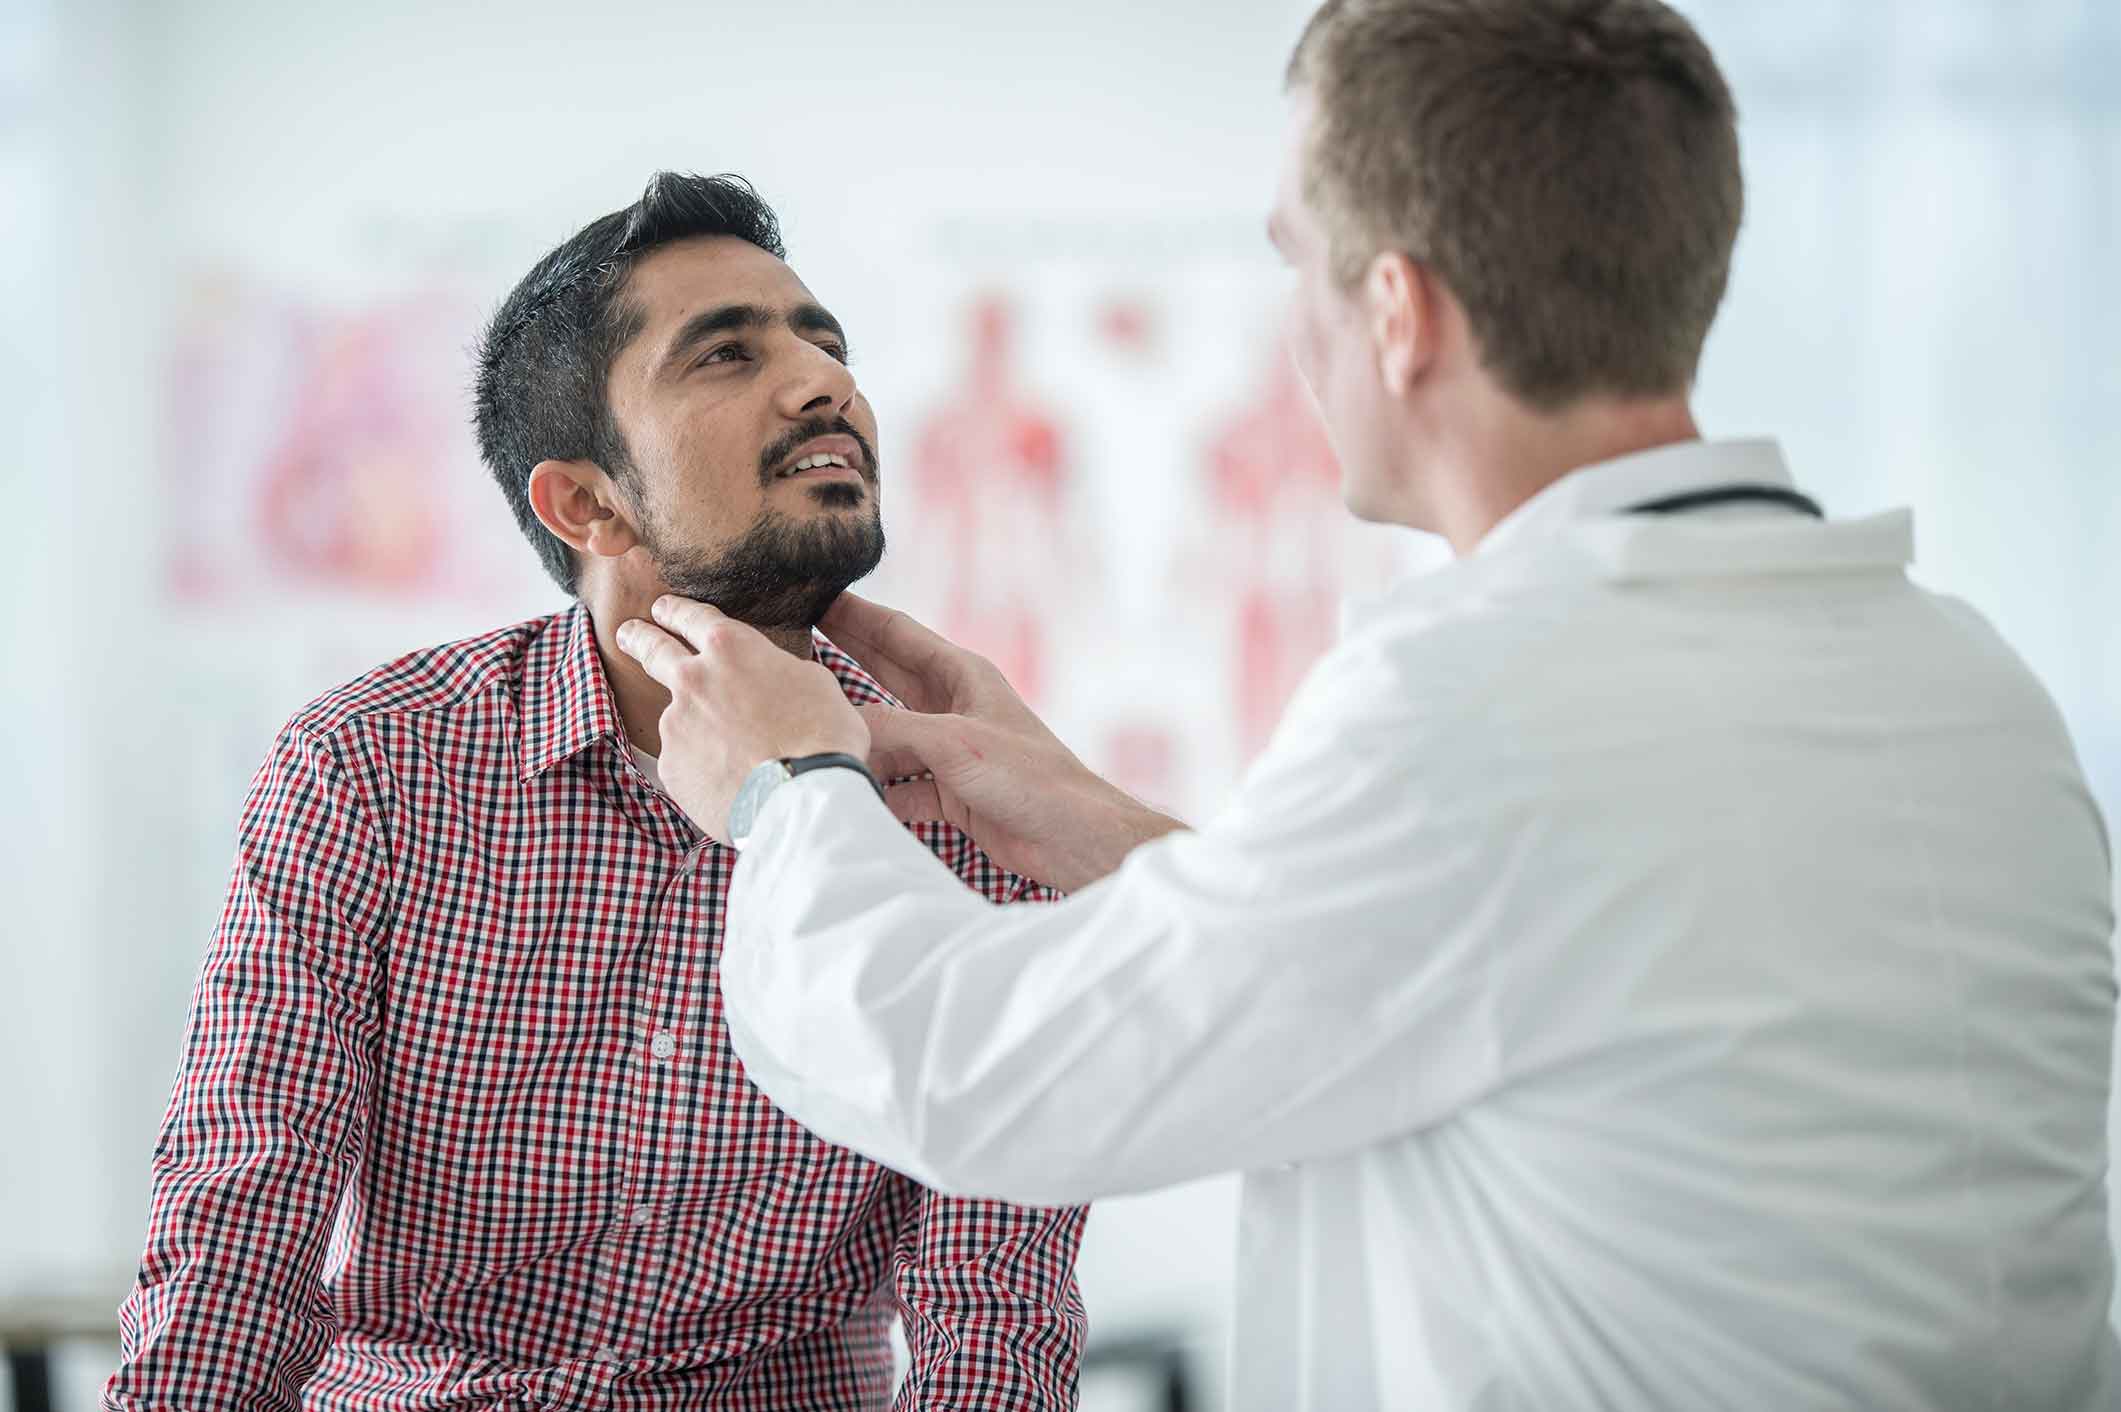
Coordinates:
<point>1778,958</point>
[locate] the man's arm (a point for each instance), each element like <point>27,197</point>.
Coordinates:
<point>987,1290</point>
<point>992,1315</point>
<point>266,1124</point>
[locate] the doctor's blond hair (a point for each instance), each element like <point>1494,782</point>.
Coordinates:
<point>1567,168</point>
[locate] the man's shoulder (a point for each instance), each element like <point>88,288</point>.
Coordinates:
<point>433,680</point>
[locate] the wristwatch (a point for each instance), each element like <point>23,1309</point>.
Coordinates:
<point>760,784</point>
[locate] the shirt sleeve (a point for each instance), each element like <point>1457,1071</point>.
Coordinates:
<point>1304,976</point>
<point>987,1290</point>
<point>992,1313</point>
<point>265,1127</point>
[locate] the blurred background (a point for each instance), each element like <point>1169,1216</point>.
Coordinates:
<point>249,245</point>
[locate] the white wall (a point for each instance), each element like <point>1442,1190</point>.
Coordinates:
<point>79,319</point>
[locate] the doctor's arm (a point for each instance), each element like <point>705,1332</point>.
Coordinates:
<point>1300,977</point>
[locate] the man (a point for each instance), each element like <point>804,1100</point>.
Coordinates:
<point>1661,960</point>
<point>457,1124</point>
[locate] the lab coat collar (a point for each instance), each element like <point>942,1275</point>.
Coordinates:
<point>1576,531</point>
<point>1610,487</point>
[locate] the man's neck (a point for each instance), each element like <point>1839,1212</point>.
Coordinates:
<point>1501,461</point>
<point>640,697</point>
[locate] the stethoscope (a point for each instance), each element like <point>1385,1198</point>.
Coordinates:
<point>1725,495</point>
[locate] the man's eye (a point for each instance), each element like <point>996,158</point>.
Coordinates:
<point>723,353</point>
<point>838,350</point>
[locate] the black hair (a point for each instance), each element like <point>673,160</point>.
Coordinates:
<point>546,354</point>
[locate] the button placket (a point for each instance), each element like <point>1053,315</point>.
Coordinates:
<point>626,1260</point>
<point>665,1078</point>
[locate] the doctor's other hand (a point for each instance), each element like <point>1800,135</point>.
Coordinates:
<point>736,701</point>
<point>993,768</point>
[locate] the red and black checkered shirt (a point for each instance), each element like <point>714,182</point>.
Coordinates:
<point>458,1125</point>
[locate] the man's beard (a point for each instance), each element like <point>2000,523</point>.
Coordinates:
<point>782,574</point>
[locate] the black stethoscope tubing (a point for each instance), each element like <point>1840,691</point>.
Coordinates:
<point>1726,495</point>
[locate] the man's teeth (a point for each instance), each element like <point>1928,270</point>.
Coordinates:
<point>811,463</point>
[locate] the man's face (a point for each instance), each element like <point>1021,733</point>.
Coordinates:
<point>1327,337</point>
<point>754,469</point>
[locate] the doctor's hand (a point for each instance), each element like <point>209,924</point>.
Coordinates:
<point>984,761</point>
<point>736,701</point>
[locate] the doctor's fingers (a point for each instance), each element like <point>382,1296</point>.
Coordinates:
<point>905,742</point>
<point>888,759</point>
<point>916,664</point>
<point>660,655</point>
<point>918,801</point>
<point>700,625</point>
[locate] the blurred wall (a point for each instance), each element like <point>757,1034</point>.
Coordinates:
<point>1922,307</point>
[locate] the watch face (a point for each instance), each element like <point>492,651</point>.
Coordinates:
<point>757,786</point>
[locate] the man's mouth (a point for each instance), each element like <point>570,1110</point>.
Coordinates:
<point>826,458</point>
<point>819,462</point>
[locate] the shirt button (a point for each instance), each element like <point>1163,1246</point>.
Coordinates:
<point>642,1214</point>
<point>663,1045</point>
<point>608,1354</point>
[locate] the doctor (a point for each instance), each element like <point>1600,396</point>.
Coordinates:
<point>1662,959</point>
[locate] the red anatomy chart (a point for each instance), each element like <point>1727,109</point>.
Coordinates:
<point>346,494</point>
<point>988,476</point>
<point>315,448</point>
<point>1275,487</point>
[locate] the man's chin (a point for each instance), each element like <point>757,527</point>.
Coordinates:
<point>785,572</point>
<point>835,494</point>
<point>788,607</point>
<point>784,605</point>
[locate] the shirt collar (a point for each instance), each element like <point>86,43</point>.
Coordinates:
<point>1610,487</point>
<point>567,703</point>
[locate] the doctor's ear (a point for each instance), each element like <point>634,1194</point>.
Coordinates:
<point>578,502</point>
<point>1399,303</point>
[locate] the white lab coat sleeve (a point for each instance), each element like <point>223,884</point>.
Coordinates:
<point>1303,976</point>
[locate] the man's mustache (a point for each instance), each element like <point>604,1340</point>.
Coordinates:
<point>784,446</point>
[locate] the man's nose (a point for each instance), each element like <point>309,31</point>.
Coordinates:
<point>817,383</point>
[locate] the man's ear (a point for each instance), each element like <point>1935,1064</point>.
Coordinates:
<point>1399,305</point>
<point>578,502</point>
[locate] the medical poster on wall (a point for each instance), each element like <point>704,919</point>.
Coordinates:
<point>320,447</point>
<point>1115,486</point>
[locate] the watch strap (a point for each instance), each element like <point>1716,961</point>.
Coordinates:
<point>833,760</point>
